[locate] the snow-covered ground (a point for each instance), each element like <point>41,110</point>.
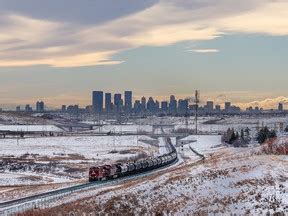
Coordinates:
<point>124,128</point>
<point>231,181</point>
<point>58,161</point>
<point>204,143</point>
<point>28,178</point>
<point>50,159</point>
<point>30,128</point>
<point>216,125</point>
<point>91,147</point>
<point>236,122</point>
<point>22,118</point>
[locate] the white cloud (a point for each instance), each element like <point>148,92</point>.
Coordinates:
<point>266,103</point>
<point>28,41</point>
<point>204,50</point>
<point>270,18</point>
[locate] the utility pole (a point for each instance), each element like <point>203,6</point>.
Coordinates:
<point>197,100</point>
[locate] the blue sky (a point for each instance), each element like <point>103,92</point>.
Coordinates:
<point>60,51</point>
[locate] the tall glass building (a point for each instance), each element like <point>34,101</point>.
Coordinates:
<point>118,101</point>
<point>128,100</point>
<point>97,101</point>
<point>108,102</point>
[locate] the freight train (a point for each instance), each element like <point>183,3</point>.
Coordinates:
<point>106,172</point>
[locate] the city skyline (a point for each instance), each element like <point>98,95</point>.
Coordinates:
<point>107,102</point>
<point>230,50</point>
<point>220,99</point>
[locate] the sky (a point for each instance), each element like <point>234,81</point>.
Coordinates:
<point>61,50</point>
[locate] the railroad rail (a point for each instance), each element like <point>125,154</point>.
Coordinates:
<point>197,153</point>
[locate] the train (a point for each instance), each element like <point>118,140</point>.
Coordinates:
<point>113,171</point>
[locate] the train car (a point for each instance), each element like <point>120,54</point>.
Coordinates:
<point>113,171</point>
<point>159,161</point>
<point>138,165</point>
<point>163,159</point>
<point>124,169</point>
<point>154,162</point>
<point>150,163</point>
<point>97,173</point>
<point>94,173</point>
<point>117,170</point>
<point>107,172</point>
<point>131,167</point>
<point>170,158</point>
<point>145,164</point>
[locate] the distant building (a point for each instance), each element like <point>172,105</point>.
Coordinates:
<point>63,108</point>
<point>73,109</point>
<point>118,102</point>
<point>218,108</point>
<point>18,108</point>
<point>173,104</point>
<point>143,104</point>
<point>40,106</point>
<point>151,105</point>
<point>210,106</point>
<point>89,108</point>
<point>234,110</point>
<point>193,107</point>
<point>280,107</point>
<point>227,106</point>
<point>97,101</point>
<point>28,108</point>
<point>257,110</point>
<point>182,106</point>
<point>164,106</point>
<point>249,109</point>
<point>108,102</point>
<point>137,106</point>
<point>157,106</point>
<point>128,100</point>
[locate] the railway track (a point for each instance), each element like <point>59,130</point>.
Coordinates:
<point>41,200</point>
<point>196,152</point>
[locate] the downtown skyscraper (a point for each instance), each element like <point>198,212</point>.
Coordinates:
<point>128,100</point>
<point>97,101</point>
<point>108,102</point>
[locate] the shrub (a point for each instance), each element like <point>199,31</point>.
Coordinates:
<point>230,136</point>
<point>264,134</point>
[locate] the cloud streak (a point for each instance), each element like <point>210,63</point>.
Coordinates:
<point>204,50</point>
<point>27,40</point>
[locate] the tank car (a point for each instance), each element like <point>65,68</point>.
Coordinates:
<point>117,170</point>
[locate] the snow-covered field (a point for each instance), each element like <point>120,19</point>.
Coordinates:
<point>49,159</point>
<point>91,147</point>
<point>22,118</point>
<point>236,122</point>
<point>230,180</point>
<point>30,128</point>
<point>57,161</point>
<point>124,128</point>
